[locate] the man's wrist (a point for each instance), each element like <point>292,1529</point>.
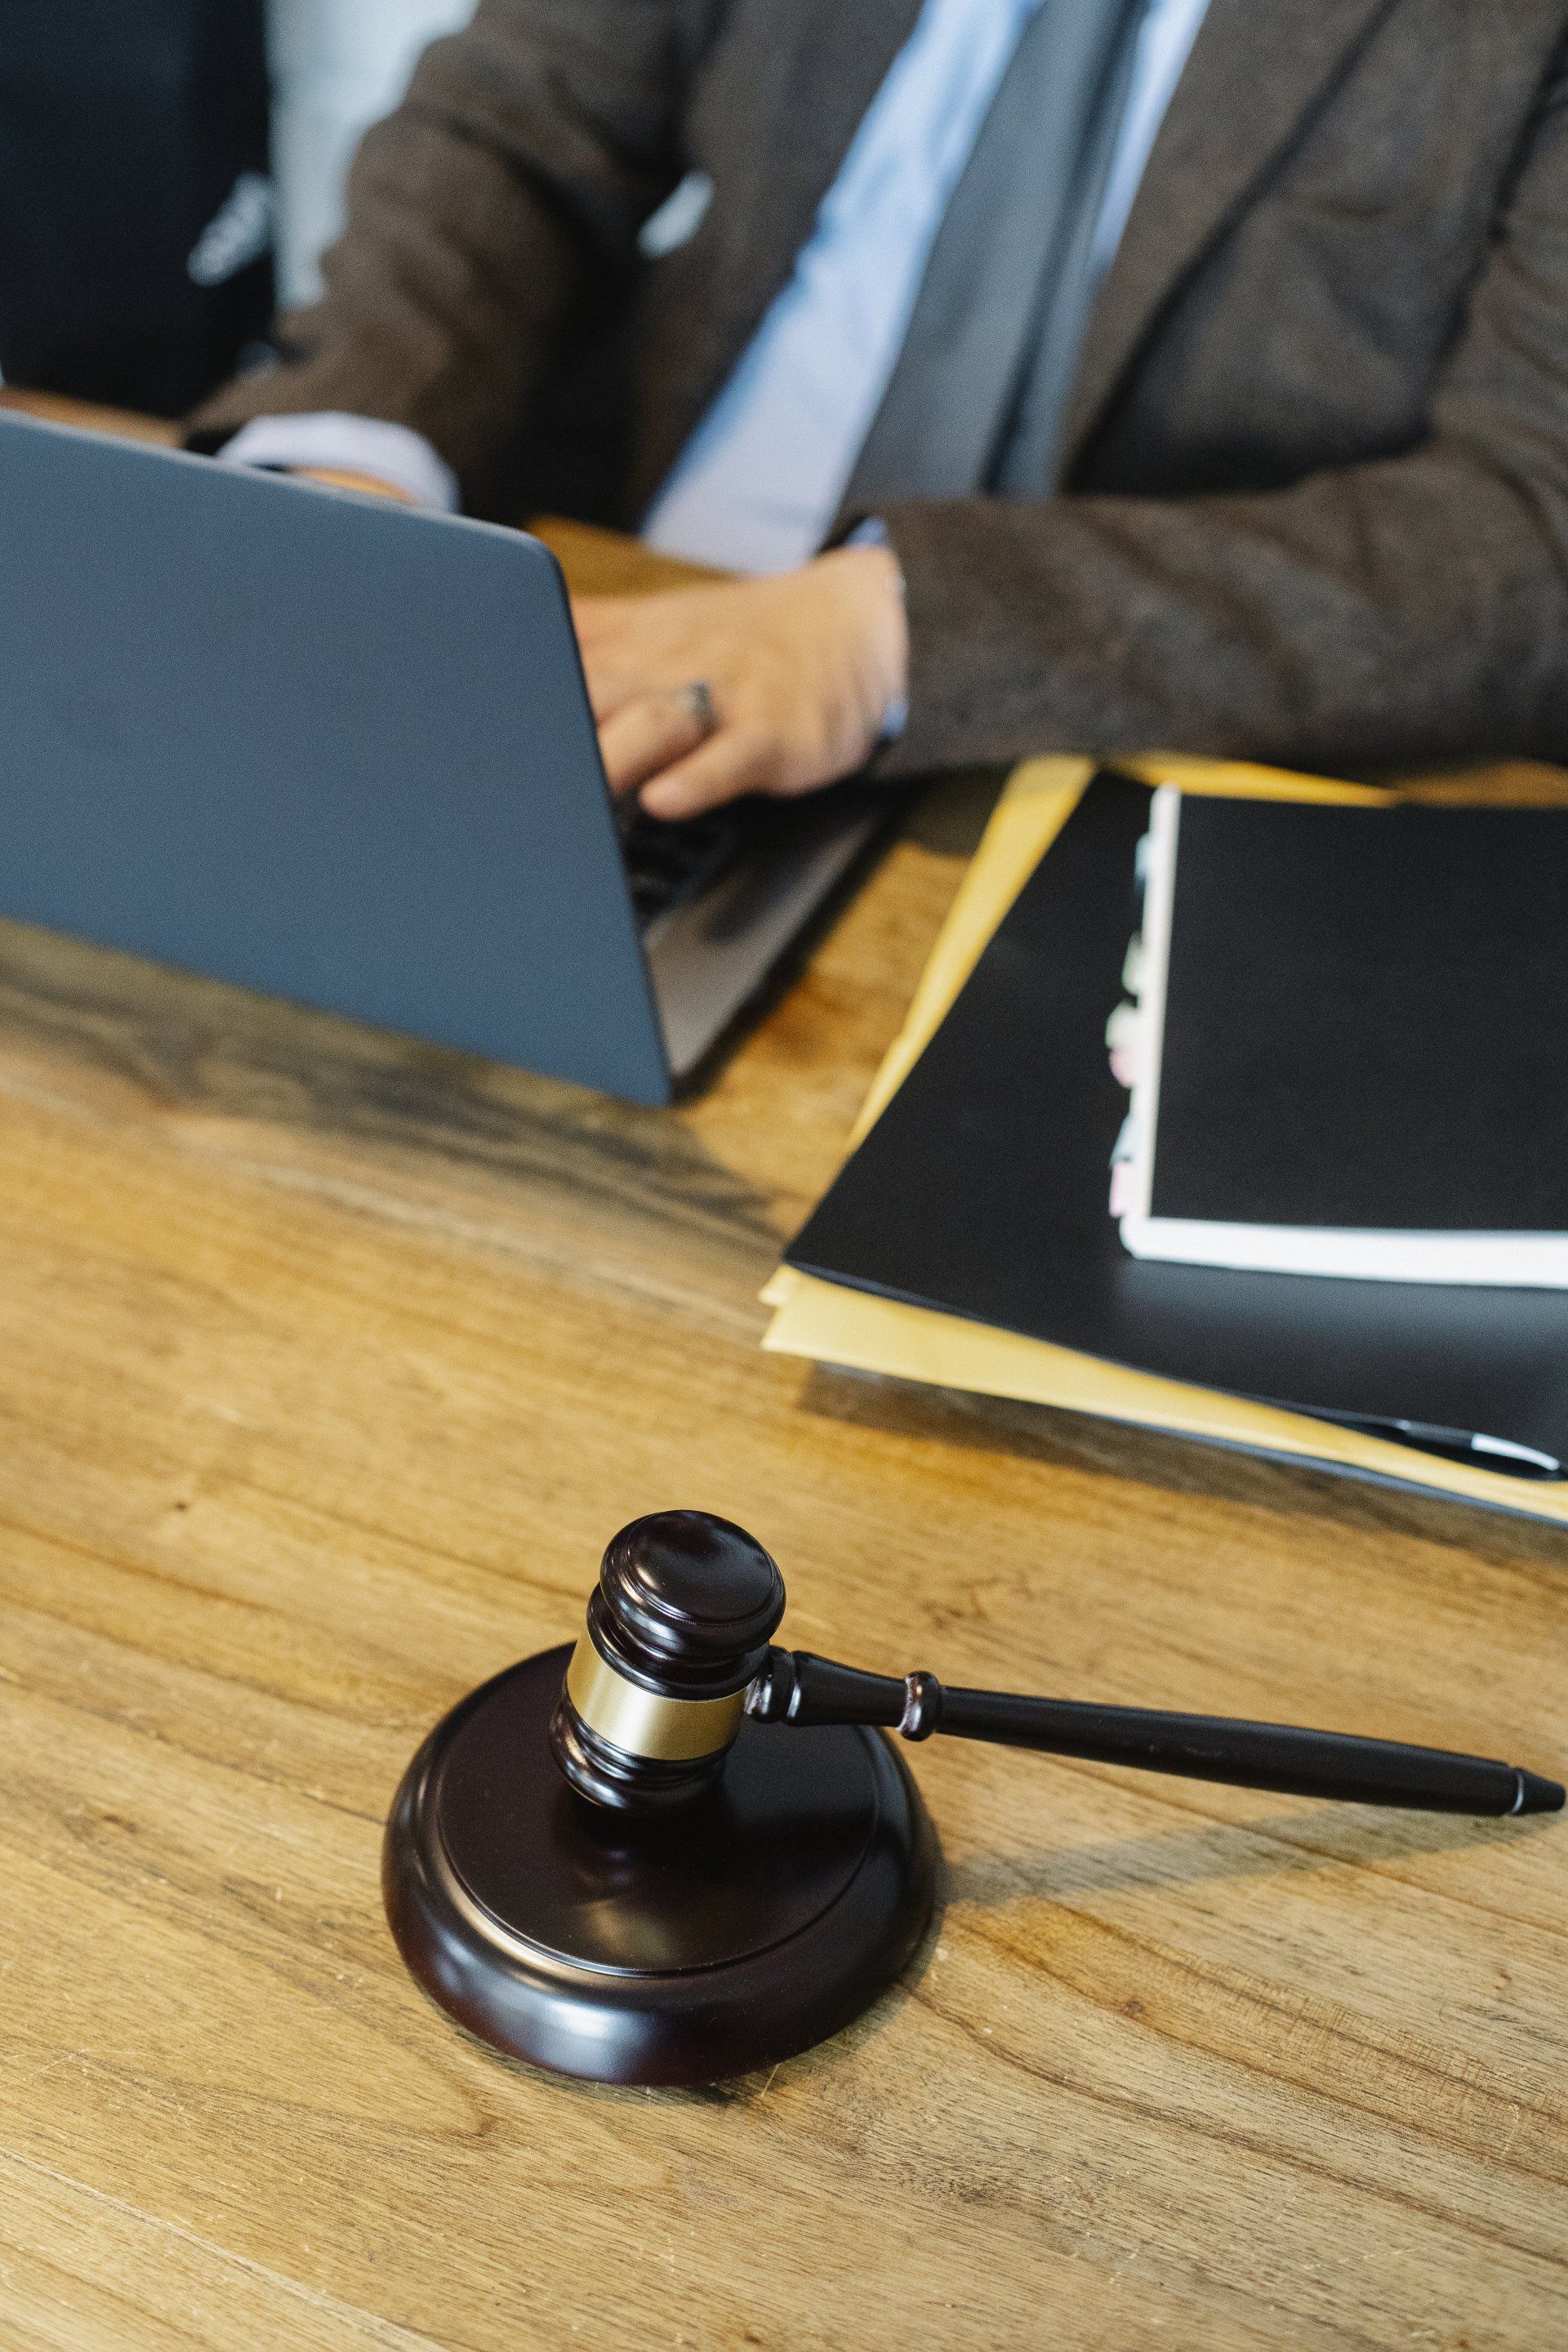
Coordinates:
<point>873,532</point>
<point>875,583</point>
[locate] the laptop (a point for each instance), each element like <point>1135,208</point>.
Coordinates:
<point>331,749</point>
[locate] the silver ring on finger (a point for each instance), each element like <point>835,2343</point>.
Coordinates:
<point>697,700</point>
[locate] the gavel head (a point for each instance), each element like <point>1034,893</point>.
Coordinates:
<point>679,1627</point>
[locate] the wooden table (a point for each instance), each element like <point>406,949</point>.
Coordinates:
<point>330,1364</point>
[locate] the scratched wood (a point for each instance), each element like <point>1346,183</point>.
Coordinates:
<point>330,1362</point>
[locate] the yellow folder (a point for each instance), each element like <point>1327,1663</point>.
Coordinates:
<point>831,1323</point>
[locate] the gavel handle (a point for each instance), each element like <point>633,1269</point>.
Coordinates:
<point>796,1688</point>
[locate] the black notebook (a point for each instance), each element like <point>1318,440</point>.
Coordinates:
<point>981,1191</point>
<point>1347,1042</point>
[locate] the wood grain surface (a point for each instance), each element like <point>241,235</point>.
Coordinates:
<point>330,1362</point>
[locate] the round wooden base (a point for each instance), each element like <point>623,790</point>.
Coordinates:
<point>670,1950</point>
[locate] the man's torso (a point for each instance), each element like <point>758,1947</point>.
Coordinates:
<point>1294,270</point>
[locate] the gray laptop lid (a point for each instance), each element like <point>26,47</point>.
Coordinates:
<point>315,744</point>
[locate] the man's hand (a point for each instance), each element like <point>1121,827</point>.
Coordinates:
<point>337,478</point>
<point>802,671</point>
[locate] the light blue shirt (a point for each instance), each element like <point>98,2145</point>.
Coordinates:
<point>758,483</point>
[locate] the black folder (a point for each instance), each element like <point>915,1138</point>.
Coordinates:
<point>981,1191</point>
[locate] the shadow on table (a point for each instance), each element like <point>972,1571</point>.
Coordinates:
<point>1060,1440</point>
<point>202,1058</point>
<point>1358,1836</point>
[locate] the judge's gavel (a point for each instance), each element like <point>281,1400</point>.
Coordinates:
<point>676,1656</point>
<point>755,1862</point>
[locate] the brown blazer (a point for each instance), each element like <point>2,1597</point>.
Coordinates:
<point>1315,502</point>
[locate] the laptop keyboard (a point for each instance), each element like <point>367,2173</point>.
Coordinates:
<point>671,863</point>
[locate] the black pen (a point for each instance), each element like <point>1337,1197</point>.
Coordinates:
<point>1501,1453</point>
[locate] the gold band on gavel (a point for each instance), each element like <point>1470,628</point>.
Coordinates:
<point>640,1722</point>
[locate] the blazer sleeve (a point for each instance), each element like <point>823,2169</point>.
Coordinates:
<point>500,203</point>
<point>1397,611</point>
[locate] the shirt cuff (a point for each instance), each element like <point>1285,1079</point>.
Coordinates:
<point>873,532</point>
<point>393,454</point>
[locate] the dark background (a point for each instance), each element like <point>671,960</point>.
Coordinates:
<point>124,125</point>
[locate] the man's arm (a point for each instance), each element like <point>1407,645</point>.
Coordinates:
<point>1407,610</point>
<point>394,461</point>
<point>1385,613</point>
<point>505,191</point>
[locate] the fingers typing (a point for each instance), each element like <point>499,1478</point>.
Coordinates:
<point>644,736</point>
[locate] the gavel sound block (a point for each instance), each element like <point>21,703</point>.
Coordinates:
<point>656,1916</point>
<point>673,1853</point>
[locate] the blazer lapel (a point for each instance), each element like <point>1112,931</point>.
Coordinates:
<point>1256,70</point>
<point>772,125</point>
<point>823,68</point>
